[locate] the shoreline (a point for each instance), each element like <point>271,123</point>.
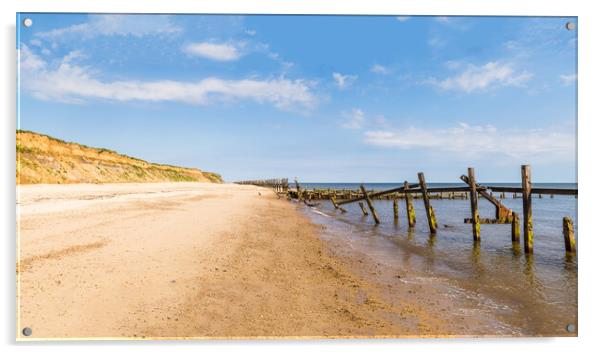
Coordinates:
<point>478,291</point>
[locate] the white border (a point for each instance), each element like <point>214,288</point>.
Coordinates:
<point>589,170</point>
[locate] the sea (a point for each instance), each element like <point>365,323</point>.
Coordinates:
<point>535,295</point>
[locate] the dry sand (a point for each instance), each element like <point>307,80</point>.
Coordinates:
<point>190,260</point>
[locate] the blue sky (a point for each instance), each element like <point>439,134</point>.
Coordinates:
<point>323,98</point>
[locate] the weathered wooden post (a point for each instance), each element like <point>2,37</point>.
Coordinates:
<point>364,211</point>
<point>370,206</point>
<point>527,213</point>
<point>430,213</point>
<point>502,214</point>
<point>395,210</point>
<point>336,205</point>
<point>299,196</point>
<point>569,234</point>
<point>409,205</point>
<point>474,208</point>
<point>515,228</point>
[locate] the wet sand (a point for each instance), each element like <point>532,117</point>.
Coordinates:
<point>172,260</point>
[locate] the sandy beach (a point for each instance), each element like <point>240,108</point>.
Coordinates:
<point>200,260</point>
<point>178,260</point>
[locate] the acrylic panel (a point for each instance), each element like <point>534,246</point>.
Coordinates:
<point>289,176</point>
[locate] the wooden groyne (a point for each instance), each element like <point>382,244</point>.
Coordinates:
<point>472,192</point>
<point>434,193</point>
<point>280,185</point>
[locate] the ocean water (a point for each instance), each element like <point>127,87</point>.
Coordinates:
<point>384,186</point>
<point>534,295</point>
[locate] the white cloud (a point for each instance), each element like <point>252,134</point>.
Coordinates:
<point>436,42</point>
<point>452,22</point>
<point>568,79</point>
<point>381,121</point>
<point>402,18</point>
<point>354,119</point>
<point>482,77</point>
<point>68,82</point>
<point>213,51</point>
<point>114,25</point>
<point>343,81</point>
<point>379,69</point>
<point>250,32</point>
<point>29,62</point>
<point>481,141</point>
<point>454,64</point>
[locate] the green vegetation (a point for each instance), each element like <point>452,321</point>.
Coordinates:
<point>213,177</point>
<point>25,150</point>
<point>101,150</point>
<point>177,176</point>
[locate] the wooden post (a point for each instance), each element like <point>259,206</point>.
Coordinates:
<point>336,206</point>
<point>515,228</point>
<point>364,211</point>
<point>370,206</point>
<point>502,213</point>
<point>395,210</point>
<point>430,213</point>
<point>569,234</point>
<point>409,205</point>
<point>527,213</point>
<point>474,207</point>
<point>299,196</point>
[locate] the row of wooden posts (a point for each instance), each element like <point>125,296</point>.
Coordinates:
<point>504,215</point>
<point>327,193</point>
<point>278,184</point>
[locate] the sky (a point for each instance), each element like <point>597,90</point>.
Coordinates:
<point>321,98</point>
